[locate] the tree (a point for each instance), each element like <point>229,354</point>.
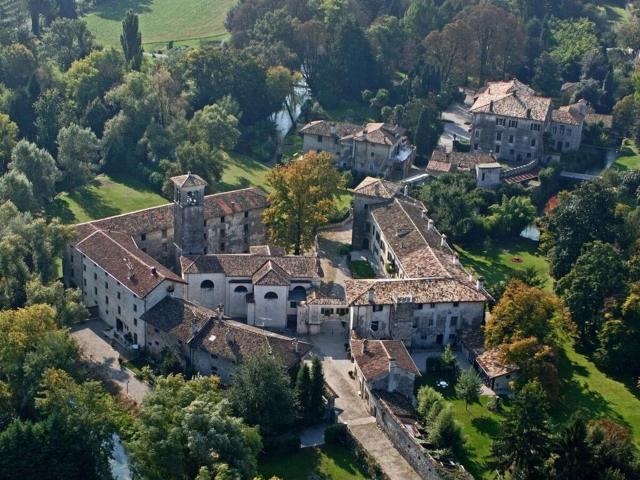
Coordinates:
<point>523,443</point>
<point>420,18</point>
<point>78,155</point>
<point>597,273</point>
<point>67,40</point>
<point>185,425</point>
<point>628,33</point>
<point>572,452</point>
<point>316,391</point>
<point>469,387</point>
<point>18,65</point>
<point>38,166</point>
<point>198,158</point>
<point>524,312</point>
<point>68,303</point>
<point>582,216</point>
<point>510,216</point>
<point>302,391</point>
<point>8,140</point>
<point>430,403</point>
<point>131,41</point>
<point>444,431</point>
<point>48,108</point>
<point>427,131</point>
<point>15,187</point>
<point>546,78</point>
<point>261,394</point>
<point>303,196</point>
<point>572,39</point>
<point>447,50</point>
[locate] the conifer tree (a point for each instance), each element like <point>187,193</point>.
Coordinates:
<point>131,41</point>
<point>303,392</point>
<point>316,402</point>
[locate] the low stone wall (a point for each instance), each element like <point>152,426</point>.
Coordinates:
<point>512,172</point>
<point>417,456</point>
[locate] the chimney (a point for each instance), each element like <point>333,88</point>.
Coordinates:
<point>154,271</point>
<point>295,345</point>
<point>528,113</point>
<point>491,106</point>
<point>443,240</point>
<point>228,336</point>
<point>130,273</point>
<point>456,259</point>
<point>430,225</point>
<point>406,190</point>
<point>220,312</point>
<point>370,295</point>
<point>392,364</point>
<point>480,283</point>
<point>365,345</point>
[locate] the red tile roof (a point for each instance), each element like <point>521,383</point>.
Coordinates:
<point>374,356</point>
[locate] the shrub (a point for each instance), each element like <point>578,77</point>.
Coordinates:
<point>336,434</point>
<point>444,431</point>
<point>495,404</point>
<point>289,443</point>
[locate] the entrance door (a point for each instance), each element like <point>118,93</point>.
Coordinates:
<point>439,339</point>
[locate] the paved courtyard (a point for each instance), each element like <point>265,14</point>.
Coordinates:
<point>97,349</point>
<point>457,122</point>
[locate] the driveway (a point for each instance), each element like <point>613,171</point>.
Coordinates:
<point>351,409</point>
<point>97,350</point>
<point>457,122</point>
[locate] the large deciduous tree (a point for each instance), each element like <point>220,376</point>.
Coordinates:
<point>8,140</point>
<point>302,199</point>
<point>262,394</point>
<point>185,425</point>
<point>38,166</point>
<point>79,155</point>
<point>67,40</point>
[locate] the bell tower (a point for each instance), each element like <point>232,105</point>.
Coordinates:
<point>188,215</point>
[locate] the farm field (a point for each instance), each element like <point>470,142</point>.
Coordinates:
<point>185,22</point>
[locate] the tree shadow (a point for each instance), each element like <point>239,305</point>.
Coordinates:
<point>92,203</point>
<point>486,425</point>
<point>58,208</point>
<point>117,9</point>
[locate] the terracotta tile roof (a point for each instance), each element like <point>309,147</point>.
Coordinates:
<point>378,133</point>
<point>512,99</point>
<point>416,290</point>
<point>271,274</point>
<point>326,294</point>
<point>329,129</point>
<point>442,161</point>
<point>266,250</point>
<point>159,218</point>
<point>225,338</point>
<point>417,248</point>
<point>398,404</point>
<point>189,180</point>
<point>376,187</point>
<point>117,254</point>
<point>593,118</point>
<point>510,86</point>
<point>493,365</point>
<point>246,264</point>
<point>570,114</point>
<point>472,339</point>
<point>373,357</point>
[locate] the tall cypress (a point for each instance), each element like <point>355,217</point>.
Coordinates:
<point>302,392</point>
<point>316,402</point>
<point>131,40</point>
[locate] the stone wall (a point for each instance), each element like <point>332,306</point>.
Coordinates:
<point>485,136</point>
<point>422,462</point>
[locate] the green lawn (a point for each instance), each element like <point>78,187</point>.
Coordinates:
<point>629,158</point>
<point>499,260</point>
<point>105,197</point>
<point>183,21</point>
<point>241,172</point>
<point>479,427</point>
<point>333,461</point>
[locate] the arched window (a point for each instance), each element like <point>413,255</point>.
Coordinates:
<point>207,285</point>
<point>241,289</point>
<point>300,289</point>
<point>271,296</point>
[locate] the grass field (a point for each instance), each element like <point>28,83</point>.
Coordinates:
<point>361,269</point>
<point>183,22</point>
<point>498,261</point>
<point>330,461</point>
<point>629,158</point>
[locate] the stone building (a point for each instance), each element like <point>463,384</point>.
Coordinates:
<point>211,343</point>
<point>424,294</point>
<point>262,288</point>
<point>377,149</point>
<point>383,365</point>
<point>566,126</point>
<point>509,120</point>
<point>442,162</point>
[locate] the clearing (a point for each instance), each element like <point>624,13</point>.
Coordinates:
<point>331,461</point>
<point>629,158</point>
<point>185,22</point>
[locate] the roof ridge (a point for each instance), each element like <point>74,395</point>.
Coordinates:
<point>389,357</point>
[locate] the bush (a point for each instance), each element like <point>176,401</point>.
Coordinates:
<point>344,249</point>
<point>495,404</point>
<point>444,431</point>
<point>336,434</point>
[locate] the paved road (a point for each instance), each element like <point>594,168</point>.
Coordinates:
<point>458,120</point>
<point>96,349</point>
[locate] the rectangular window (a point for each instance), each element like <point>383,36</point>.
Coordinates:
<point>118,294</point>
<point>456,304</point>
<point>475,146</point>
<point>342,311</point>
<point>84,268</point>
<point>533,142</point>
<point>119,310</point>
<point>319,138</point>
<point>477,133</point>
<point>431,322</point>
<point>293,304</point>
<point>106,300</point>
<point>513,123</point>
<point>164,233</point>
<point>511,138</point>
<point>535,127</point>
<point>418,306</point>
<point>246,214</point>
<point>568,132</point>
<point>222,232</point>
<point>222,247</point>
<point>453,322</point>
<point>432,305</point>
<point>143,236</point>
<point>165,247</point>
<point>222,219</point>
<point>497,148</point>
<point>95,290</point>
<point>135,307</point>
<point>135,322</point>
<point>501,121</point>
<point>375,325</point>
<point>106,285</point>
<point>378,308</point>
<point>95,276</point>
<point>499,136</point>
<point>246,229</point>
